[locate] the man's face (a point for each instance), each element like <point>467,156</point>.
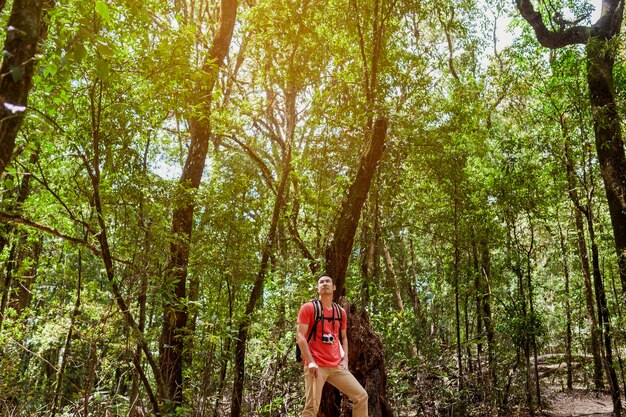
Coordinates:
<point>325,285</point>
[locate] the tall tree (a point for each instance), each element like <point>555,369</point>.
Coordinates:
<point>369,365</point>
<point>600,53</point>
<point>175,314</point>
<point>27,27</point>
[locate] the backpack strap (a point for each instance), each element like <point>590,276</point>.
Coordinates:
<point>340,316</point>
<point>319,314</point>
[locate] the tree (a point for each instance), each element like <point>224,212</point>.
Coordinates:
<point>27,28</point>
<point>175,315</point>
<point>600,48</point>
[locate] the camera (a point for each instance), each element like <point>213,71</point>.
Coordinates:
<point>328,338</point>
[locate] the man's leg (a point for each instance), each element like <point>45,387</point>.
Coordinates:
<point>345,382</point>
<point>313,391</point>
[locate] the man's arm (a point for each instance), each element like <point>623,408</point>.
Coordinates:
<point>344,343</point>
<point>303,330</point>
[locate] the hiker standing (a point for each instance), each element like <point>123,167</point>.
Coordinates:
<point>321,325</point>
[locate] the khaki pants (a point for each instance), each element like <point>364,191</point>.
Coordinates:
<point>344,381</point>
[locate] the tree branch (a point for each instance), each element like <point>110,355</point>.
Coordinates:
<point>551,39</point>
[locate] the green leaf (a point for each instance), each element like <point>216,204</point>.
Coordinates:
<point>79,52</point>
<point>104,49</point>
<point>102,69</point>
<point>103,10</point>
<point>51,69</point>
<point>9,183</point>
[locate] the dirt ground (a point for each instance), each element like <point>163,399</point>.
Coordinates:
<point>578,403</point>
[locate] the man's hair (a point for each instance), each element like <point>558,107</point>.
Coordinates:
<point>320,276</point>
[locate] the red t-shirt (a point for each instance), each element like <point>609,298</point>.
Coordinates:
<point>324,354</point>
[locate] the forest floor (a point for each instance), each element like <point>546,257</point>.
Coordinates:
<point>577,403</point>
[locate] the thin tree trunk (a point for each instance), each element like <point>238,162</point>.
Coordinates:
<point>396,291</point>
<point>485,270</point>
<point>395,288</point>
<point>18,251</point>
<point>568,310</point>
<point>604,319</point>
<point>525,336</point>
<point>584,260</point>
<point>93,169</point>
<point>174,334</point>
<point>8,281</point>
<point>531,304</point>
<point>68,339</point>
<point>257,289</point>
<point>457,313</point>
<point>478,293</point>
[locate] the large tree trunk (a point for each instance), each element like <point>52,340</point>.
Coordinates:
<point>339,250</point>
<point>366,350</point>
<point>175,314</point>
<point>29,28</point>
<point>609,143</point>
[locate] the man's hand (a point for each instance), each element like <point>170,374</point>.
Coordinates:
<point>313,369</point>
<point>343,365</point>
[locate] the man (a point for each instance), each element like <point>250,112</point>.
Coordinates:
<point>325,359</point>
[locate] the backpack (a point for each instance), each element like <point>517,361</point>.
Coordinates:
<point>319,314</point>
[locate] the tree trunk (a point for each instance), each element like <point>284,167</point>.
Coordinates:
<point>457,313</point>
<point>396,291</point>
<point>339,250</point>
<point>18,251</point>
<point>533,316</point>
<point>365,346</point>
<point>485,270</point>
<point>29,25</point>
<point>568,310</point>
<point>92,165</point>
<point>68,340</point>
<point>609,143</point>
<point>604,319</point>
<point>478,294</point>
<point>8,280</point>
<point>175,314</point>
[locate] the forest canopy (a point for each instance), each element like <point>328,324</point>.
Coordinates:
<point>175,174</point>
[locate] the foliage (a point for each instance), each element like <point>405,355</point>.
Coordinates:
<point>468,202</point>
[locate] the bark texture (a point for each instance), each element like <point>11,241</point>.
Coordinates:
<point>339,250</point>
<point>27,28</point>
